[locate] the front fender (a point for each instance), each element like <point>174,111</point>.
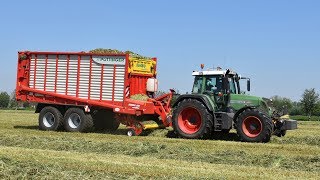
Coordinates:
<point>241,110</point>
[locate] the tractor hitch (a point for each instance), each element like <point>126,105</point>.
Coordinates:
<point>281,126</point>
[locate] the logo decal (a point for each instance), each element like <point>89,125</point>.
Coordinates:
<point>118,60</point>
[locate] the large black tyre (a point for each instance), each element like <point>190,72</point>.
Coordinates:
<point>75,120</point>
<point>254,126</point>
<point>50,119</point>
<point>192,120</point>
<point>105,120</point>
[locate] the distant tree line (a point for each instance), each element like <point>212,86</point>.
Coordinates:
<point>9,101</point>
<point>309,104</point>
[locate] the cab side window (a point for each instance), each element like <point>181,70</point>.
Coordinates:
<point>214,84</point>
<point>197,84</point>
<point>232,86</point>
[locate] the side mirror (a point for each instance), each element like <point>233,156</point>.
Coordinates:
<point>248,85</point>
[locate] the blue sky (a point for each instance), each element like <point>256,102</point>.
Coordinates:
<point>275,42</point>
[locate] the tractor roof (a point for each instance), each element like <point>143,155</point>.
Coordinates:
<point>212,72</point>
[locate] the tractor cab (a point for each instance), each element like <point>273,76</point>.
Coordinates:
<point>219,84</point>
<point>218,81</point>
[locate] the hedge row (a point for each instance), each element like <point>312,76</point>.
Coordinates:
<point>305,118</point>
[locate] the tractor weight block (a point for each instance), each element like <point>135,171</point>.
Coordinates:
<point>289,125</point>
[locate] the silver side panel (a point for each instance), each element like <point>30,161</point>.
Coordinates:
<point>57,73</point>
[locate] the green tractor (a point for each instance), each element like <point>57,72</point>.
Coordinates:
<point>217,104</point>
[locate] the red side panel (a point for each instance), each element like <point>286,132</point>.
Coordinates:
<point>23,76</point>
<point>138,84</point>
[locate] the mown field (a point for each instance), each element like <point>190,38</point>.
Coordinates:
<point>27,153</point>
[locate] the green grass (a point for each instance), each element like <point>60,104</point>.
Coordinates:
<point>27,153</point>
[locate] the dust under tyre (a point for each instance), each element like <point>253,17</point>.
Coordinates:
<point>50,119</point>
<point>75,120</point>
<point>192,120</point>
<point>105,120</point>
<point>254,126</point>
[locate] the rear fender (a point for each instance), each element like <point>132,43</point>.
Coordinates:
<point>200,98</point>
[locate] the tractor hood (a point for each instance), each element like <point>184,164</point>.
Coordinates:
<point>239,101</point>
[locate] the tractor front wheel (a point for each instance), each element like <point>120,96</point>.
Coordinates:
<point>254,126</point>
<point>192,120</point>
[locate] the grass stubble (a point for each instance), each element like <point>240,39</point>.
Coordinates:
<point>27,153</point>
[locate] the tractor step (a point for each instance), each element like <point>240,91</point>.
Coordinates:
<point>222,121</point>
<point>217,121</point>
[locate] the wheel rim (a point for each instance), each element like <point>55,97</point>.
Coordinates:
<point>189,120</point>
<point>130,133</point>
<point>48,120</point>
<point>252,126</point>
<point>74,120</point>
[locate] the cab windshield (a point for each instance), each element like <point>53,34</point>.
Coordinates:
<point>212,84</point>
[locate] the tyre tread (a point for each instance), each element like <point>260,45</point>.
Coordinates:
<point>206,132</point>
<point>58,116</point>
<point>86,120</point>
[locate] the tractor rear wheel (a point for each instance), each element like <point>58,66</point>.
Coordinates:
<point>192,120</point>
<point>254,126</point>
<point>105,120</point>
